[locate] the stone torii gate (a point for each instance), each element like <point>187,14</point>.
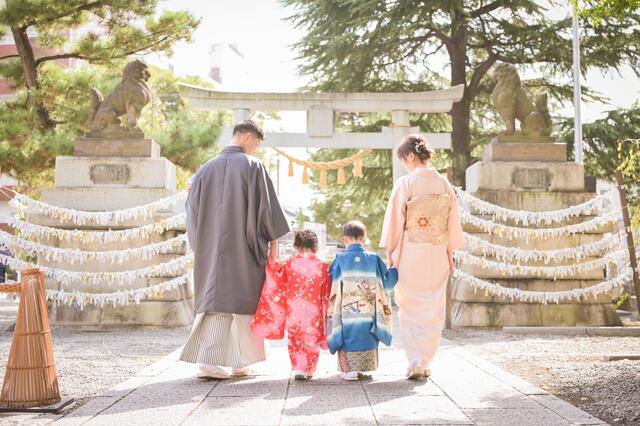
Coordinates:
<point>321,108</point>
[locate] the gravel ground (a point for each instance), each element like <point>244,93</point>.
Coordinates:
<point>90,363</point>
<point>568,367</point>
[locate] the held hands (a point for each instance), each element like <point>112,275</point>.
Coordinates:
<point>389,260</point>
<point>452,264</point>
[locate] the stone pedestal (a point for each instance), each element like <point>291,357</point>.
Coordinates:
<point>524,174</point>
<point>112,174</point>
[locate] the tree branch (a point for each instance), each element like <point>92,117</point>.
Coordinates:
<point>43,59</point>
<point>486,9</point>
<point>480,72</point>
<point>15,55</point>
<point>84,7</point>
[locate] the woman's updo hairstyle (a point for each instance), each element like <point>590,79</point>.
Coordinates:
<point>417,144</point>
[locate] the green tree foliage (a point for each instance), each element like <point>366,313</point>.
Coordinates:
<point>366,45</point>
<point>187,137</point>
<point>115,29</point>
<point>597,10</point>
<point>602,155</point>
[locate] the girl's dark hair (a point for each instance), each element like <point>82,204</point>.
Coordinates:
<point>305,238</point>
<point>416,144</point>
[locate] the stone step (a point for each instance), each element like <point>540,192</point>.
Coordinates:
<point>463,292</point>
<point>602,229</point>
<point>147,313</point>
<point>465,314</point>
<point>532,200</point>
<point>97,266</point>
<point>118,245</point>
<point>541,244</point>
<point>487,274</point>
<point>525,176</point>
<point>107,287</point>
<point>115,172</point>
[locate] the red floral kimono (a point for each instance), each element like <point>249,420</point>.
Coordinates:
<point>295,297</point>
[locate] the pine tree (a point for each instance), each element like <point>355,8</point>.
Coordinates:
<point>361,45</point>
<point>122,28</point>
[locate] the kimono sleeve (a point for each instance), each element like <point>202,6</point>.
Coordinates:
<point>389,276</point>
<point>265,218</point>
<point>395,215</point>
<point>334,279</point>
<point>454,226</point>
<point>192,206</point>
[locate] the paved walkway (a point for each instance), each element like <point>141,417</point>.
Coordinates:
<point>464,390</point>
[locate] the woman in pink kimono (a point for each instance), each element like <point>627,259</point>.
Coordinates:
<point>420,232</point>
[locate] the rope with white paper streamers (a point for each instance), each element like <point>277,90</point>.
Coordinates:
<point>22,204</point>
<point>528,218</point>
<point>27,229</point>
<point>121,297</point>
<point>171,268</point>
<point>558,271</point>
<point>73,256</point>
<point>514,232</point>
<point>544,297</point>
<point>477,245</point>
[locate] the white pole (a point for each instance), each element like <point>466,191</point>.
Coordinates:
<point>577,126</point>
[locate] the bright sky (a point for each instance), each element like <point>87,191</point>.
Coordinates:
<point>265,39</point>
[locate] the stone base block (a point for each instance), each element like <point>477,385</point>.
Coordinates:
<point>115,172</point>
<point>534,201</point>
<point>114,147</point>
<point>151,313</point>
<point>465,314</point>
<point>521,138</point>
<point>525,176</point>
<point>497,151</point>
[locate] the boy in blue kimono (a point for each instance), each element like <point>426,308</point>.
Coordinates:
<point>360,312</point>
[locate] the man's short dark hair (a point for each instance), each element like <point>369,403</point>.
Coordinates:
<point>305,238</point>
<point>354,229</point>
<point>248,126</point>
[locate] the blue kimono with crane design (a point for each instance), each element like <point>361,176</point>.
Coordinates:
<point>360,313</point>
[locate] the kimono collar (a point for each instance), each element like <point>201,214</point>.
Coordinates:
<point>233,148</point>
<point>355,247</point>
<point>423,170</point>
<point>307,255</point>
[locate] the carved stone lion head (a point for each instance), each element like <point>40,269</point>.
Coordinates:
<point>505,72</point>
<point>136,71</point>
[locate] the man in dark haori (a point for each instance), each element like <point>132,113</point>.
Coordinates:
<point>234,220</point>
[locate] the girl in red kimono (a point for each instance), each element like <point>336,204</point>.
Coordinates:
<point>295,297</point>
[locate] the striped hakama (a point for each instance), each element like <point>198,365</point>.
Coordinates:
<point>224,340</point>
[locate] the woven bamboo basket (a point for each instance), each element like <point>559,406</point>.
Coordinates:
<point>30,379</point>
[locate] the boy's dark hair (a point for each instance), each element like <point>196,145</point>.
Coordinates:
<point>305,238</point>
<point>354,229</point>
<point>248,126</point>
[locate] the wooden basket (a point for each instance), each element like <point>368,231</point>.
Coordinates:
<point>30,379</point>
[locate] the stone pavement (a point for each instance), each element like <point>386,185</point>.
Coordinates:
<point>464,390</point>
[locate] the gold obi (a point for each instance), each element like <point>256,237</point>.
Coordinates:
<point>427,219</point>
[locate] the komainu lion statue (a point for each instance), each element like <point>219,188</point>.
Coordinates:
<point>511,102</point>
<point>129,97</point>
